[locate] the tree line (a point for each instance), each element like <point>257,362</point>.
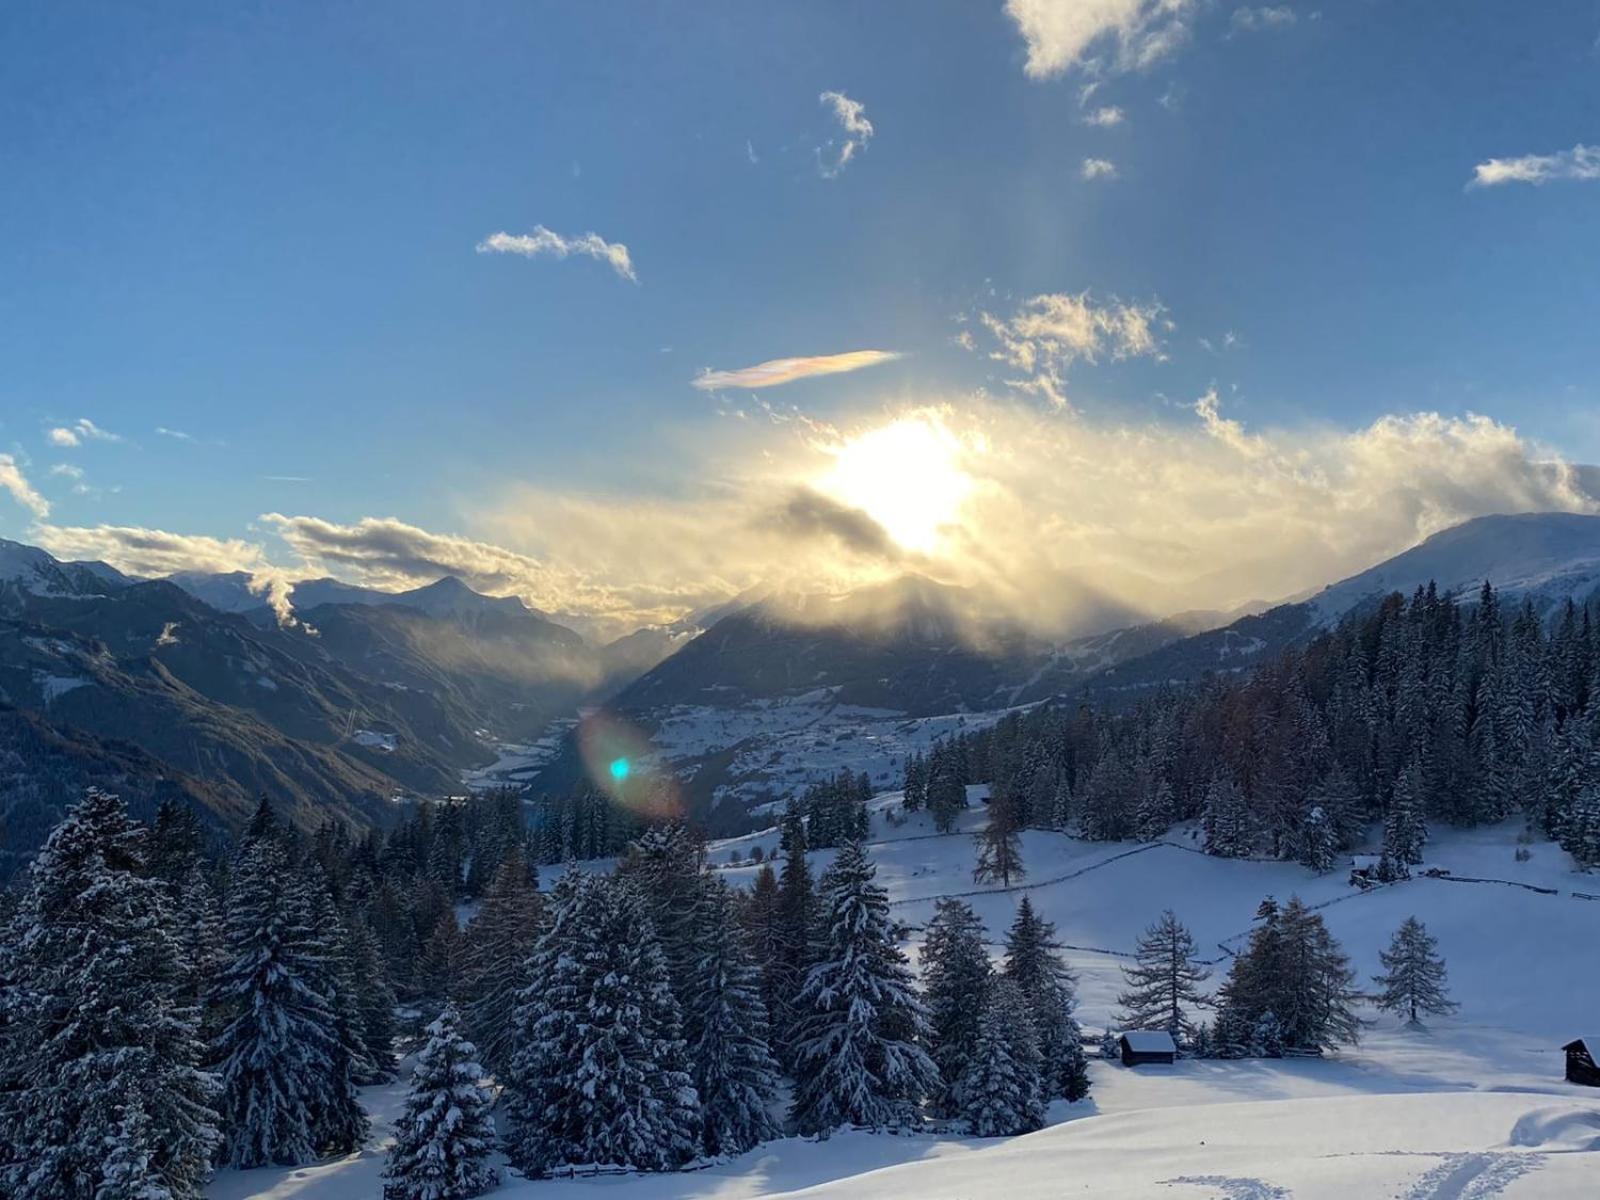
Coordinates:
<point>1417,711</point>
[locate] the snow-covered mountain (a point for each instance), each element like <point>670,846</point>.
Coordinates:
<point>1547,556</point>
<point>29,569</point>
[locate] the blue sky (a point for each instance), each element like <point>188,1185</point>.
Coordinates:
<point>255,226</point>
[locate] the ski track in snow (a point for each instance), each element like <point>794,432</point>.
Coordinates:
<point>1232,1187</point>
<point>1473,1176</point>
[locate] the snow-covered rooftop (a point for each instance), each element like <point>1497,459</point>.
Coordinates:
<point>1149,1041</point>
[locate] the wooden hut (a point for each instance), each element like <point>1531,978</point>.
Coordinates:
<point>1583,1061</point>
<point>1139,1046</point>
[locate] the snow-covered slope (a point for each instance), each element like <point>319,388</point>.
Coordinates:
<point>1470,1109</point>
<point>1549,556</point>
<point>35,572</point>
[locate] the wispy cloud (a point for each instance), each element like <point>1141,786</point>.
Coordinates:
<point>175,434</point>
<point>1580,163</point>
<point>787,370</point>
<point>15,482</point>
<point>858,131</point>
<point>1102,35</point>
<point>1098,168</point>
<point>543,241</point>
<point>1264,17</point>
<point>1104,117</point>
<point>80,484</point>
<point>1049,333</point>
<point>80,431</point>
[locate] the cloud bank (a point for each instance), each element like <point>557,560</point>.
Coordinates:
<point>1154,517</point>
<point>543,241</point>
<point>787,370</point>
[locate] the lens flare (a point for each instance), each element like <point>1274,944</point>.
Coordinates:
<point>622,763</point>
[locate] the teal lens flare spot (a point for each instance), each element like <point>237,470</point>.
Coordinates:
<point>619,769</point>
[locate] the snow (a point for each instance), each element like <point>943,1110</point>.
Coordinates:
<point>1547,556</point>
<point>374,740</point>
<point>1472,1107</point>
<point>1149,1041</point>
<point>53,687</point>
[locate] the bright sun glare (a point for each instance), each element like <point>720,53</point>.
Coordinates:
<point>906,476</point>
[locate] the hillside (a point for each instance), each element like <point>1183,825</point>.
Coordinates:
<point>1473,1107</point>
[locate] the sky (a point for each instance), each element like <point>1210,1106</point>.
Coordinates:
<point>625,308</point>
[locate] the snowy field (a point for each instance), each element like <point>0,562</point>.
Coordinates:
<point>1474,1107</point>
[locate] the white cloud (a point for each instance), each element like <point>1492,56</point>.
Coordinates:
<point>787,370</point>
<point>15,482</point>
<point>80,431</point>
<point>1063,34</point>
<point>545,241</point>
<point>175,434</point>
<point>1048,333</point>
<point>156,552</point>
<point>1580,163</point>
<point>1105,117</point>
<point>1098,168</point>
<point>858,131</point>
<point>1251,20</point>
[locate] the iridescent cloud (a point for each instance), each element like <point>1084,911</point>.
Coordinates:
<point>787,370</point>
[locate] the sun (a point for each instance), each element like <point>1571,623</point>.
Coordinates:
<point>906,476</point>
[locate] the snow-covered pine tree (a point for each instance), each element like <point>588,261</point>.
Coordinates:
<point>916,782</point>
<point>1033,962</point>
<point>1000,842</point>
<point>862,1025</point>
<point>1293,969</point>
<point>1230,827</point>
<point>797,936</point>
<point>947,790</point>
<point>1580,829</point>
<point>439,965</point>
<point>599,1075</point>
<point>734,1072</point>
<point>95,1037</point>
<point>287,1096</point>
<point>1001,1091</point>
<point>374,1000</point>
<point>1413,979</point>
<point>495,963</point>
<point>666,866</point>
<point>1318,841</point>
<point>445,1135</point>
<point>955,979</point>
<point>1404,832</point>
<point>1163,983</point>
<point>130,1171</point>
<point>758,917</point>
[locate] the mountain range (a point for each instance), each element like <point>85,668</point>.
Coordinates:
<point>190,685</point>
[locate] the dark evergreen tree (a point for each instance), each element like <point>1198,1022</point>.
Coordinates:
<point>797,937</point>
<point>100,1083</point>
<point>734,1072</point>
<point>1413,978</point>
<point>287,1094</point>
<point>599,1075</point>
<point>1001,1091</point>
<point>495,958</point>
<point>1294,970</point>
<point>1164,982</point>
<point>1033,962</point>
<point>862,1026</point>
<point>444,1137</point>
<point>955,975</point>
<point>1000,843</point>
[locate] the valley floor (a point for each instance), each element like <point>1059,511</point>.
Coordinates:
<point>1472,1108</point>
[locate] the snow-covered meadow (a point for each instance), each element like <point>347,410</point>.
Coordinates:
<point>1472,1107</point>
